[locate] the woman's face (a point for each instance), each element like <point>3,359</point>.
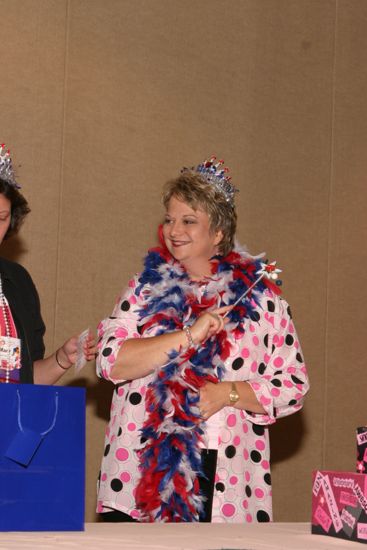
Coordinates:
<point>5,216</point>
<point>189,238</point>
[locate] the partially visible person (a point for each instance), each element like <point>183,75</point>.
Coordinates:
<point>201,369</point>
<point>22,329</point>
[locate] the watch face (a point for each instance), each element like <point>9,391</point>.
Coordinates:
<point>233,396</point>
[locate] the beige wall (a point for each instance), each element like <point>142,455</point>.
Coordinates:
<point>103,100</point>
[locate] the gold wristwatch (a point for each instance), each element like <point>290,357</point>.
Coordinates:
<point>233,394</point>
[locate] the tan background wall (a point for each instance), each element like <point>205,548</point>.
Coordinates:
<point>104,100</point>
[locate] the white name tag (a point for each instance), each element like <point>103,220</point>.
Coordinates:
<point>9,353</point>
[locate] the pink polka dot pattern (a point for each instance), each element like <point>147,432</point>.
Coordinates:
<point>267,355</point>
<point>125,477</point>
<point>228,510</point>
<point>121,332</point>
<point>278,362</point>
<point>231,420</point>
<point>122,455</point>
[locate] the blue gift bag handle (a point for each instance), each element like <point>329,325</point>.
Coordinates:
<point>52,423</point>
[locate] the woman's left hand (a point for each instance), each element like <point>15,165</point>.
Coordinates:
<point>213,397</point>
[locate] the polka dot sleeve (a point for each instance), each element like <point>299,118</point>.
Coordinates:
<point>114,330</point>
<point>283,381</point>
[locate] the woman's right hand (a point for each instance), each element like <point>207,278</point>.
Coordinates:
<point>209,323</point>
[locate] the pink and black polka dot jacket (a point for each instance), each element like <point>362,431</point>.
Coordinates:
<point>268,356</point>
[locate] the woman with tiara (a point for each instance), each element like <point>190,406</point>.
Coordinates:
<point>204,356</point>
<point>21,326</point>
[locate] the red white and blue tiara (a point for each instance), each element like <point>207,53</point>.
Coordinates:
<point>6,167</point>
<point>215,173</point>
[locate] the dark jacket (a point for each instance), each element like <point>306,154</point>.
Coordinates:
<point>23,300</point>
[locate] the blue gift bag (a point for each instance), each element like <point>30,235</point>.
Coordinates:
<point>42,458</point>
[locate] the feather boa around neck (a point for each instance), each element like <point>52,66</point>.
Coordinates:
<point>170,463</point>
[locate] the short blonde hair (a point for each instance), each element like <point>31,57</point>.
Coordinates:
<point>195,191</point>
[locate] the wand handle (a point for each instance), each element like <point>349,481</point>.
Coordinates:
<point>245,293</point>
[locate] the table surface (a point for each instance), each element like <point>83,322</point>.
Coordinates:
<point>194,536</point>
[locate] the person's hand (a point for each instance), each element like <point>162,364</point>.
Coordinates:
<point>68,352</point>
<point>209,323</point>
<point>213,397</point>
<point>90,347</point>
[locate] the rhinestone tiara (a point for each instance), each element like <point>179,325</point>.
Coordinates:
<point>6,167</point>
<point>215,173</point>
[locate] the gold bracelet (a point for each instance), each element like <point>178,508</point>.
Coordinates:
<point>58,362</point>
<point>189,336</point>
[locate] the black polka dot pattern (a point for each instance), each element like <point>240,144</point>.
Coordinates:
<point>289,312</point>
<point>261,368</point>
<point>255,456</point>
<point>220,487</point>
<point>107,449</point>
<point>230,451</point>
<point>276,382</point>
<point>119,432</point>
<point>299,358</point>
<point>237,363</point>
<point>110,339</point>
<point>292,402</point>
<point>255,316</point>
<point>106,352</point>
<point>289,340</point>
<point>125,306</point>
<point>116,485</point>
<point>271,306</point>
<point>258,430</point>
<point>262,516</point>
<point>135,398</point>
<point>296,380</point>
<point>266,340</point>
<point>267,479</point>
<point>248,491</point>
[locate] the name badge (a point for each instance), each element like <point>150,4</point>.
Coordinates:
<point>10,353</point>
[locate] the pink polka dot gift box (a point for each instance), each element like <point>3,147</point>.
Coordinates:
<point>339,505</point>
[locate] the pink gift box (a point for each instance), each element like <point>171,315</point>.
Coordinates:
<point>339,505</point>
<point>361,467</point>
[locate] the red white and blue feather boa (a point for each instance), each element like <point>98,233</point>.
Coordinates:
<point>170,463</point>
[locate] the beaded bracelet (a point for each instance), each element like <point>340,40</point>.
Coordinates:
<point>58,362</point>
<point>189,336</point>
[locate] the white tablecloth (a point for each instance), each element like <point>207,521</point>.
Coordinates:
<point>196,536</point>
